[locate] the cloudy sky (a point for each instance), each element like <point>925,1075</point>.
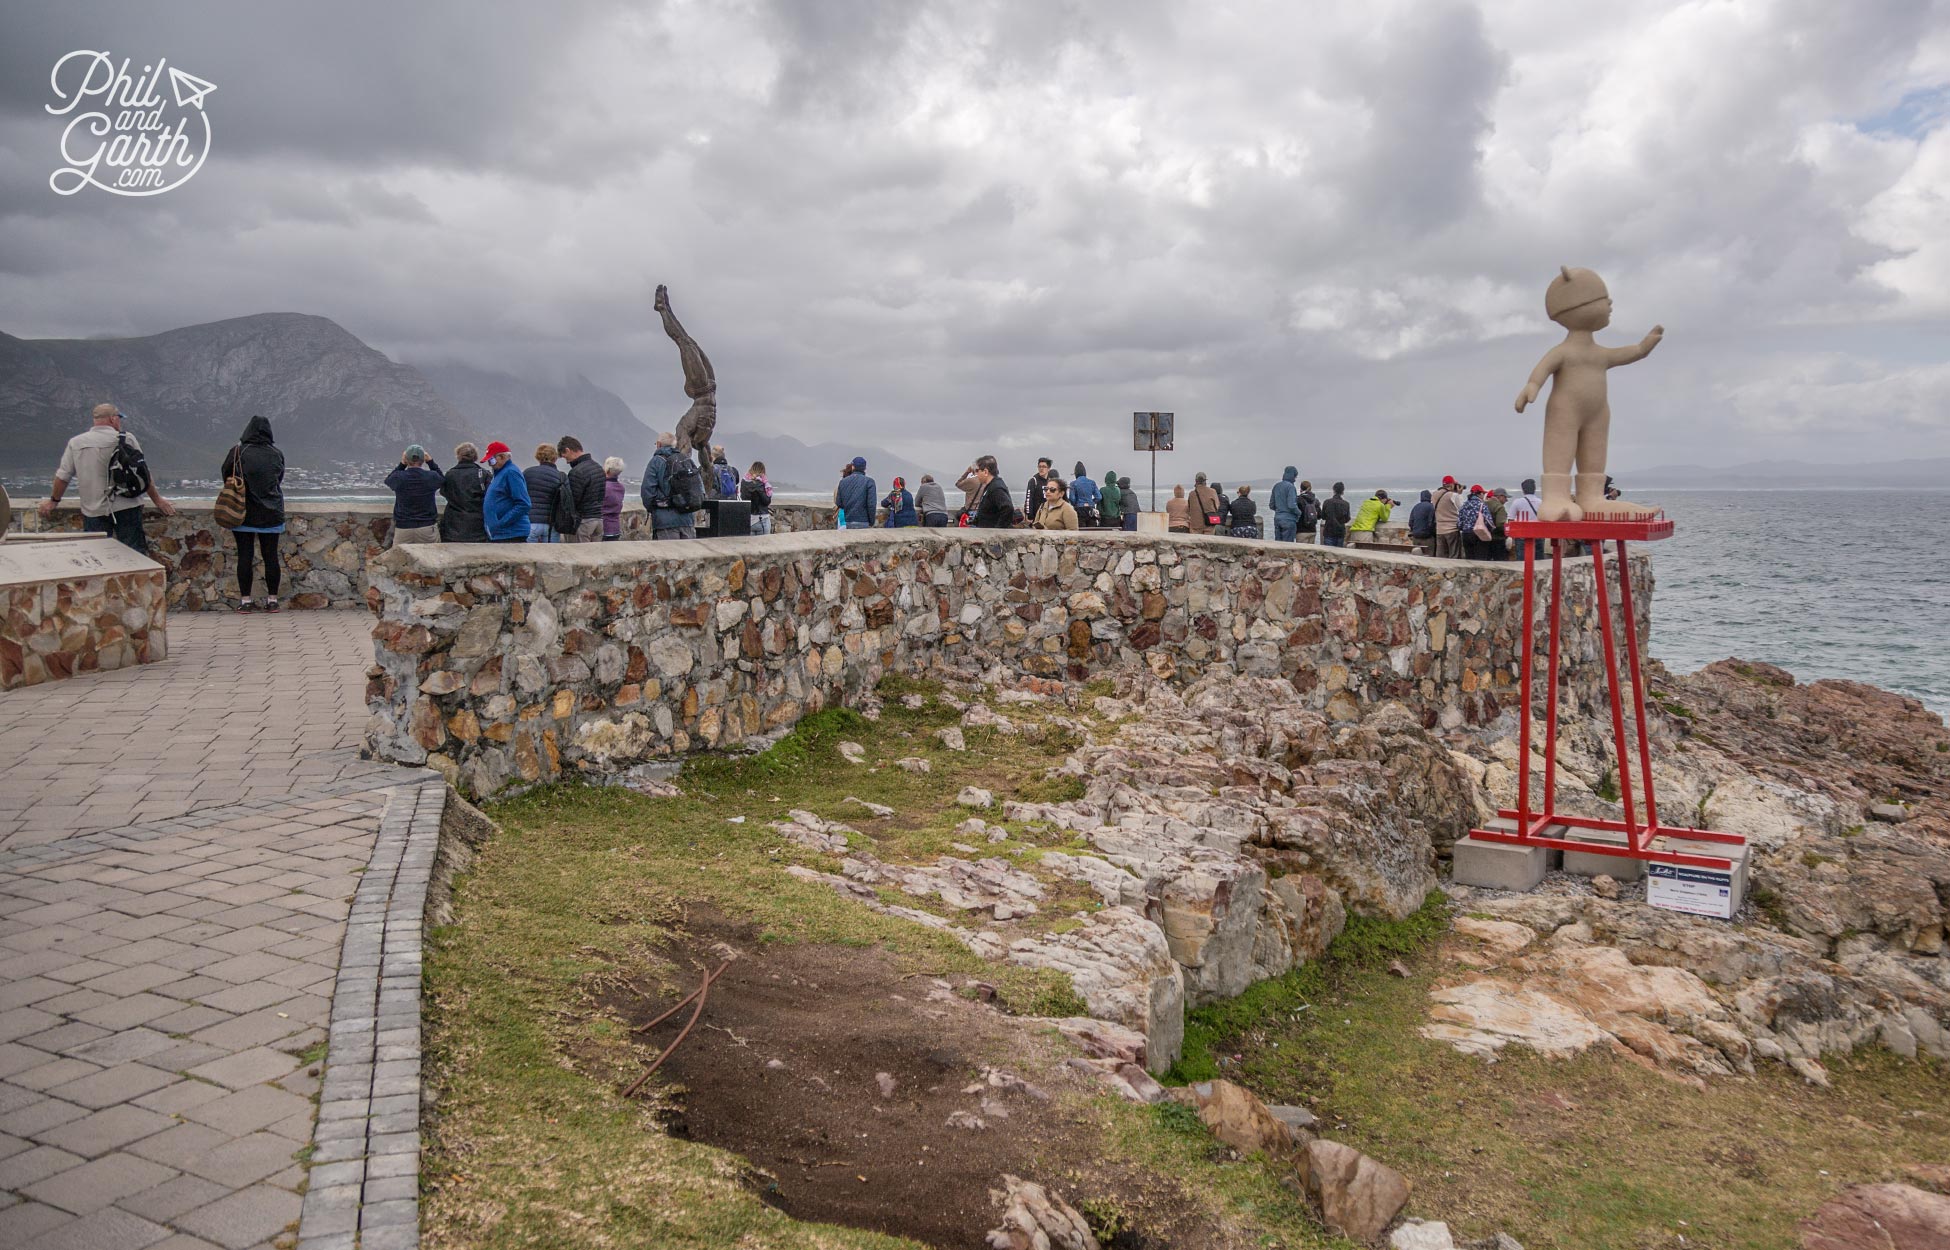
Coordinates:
<point>1318,232</point>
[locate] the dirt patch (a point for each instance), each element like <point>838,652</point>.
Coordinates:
<point>864,1098</point>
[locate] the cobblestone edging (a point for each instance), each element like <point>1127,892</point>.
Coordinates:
<point>365,1177</point>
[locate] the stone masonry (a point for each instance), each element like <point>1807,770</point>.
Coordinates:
<point>79,606</point>
<point>509,666</point>
<point>325,549</point>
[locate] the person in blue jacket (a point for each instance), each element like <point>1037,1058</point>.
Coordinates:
<point>1085,497</point>
<point>900,506</point>
<point>856,496</point>
<point>505,507</point>
<point>1286,507</point>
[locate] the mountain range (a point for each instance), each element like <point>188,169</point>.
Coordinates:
<point>334,402</point>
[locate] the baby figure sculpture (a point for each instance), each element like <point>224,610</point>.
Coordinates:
<point>1577,416</point>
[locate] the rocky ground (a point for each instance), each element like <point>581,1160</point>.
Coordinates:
<point>1187,843</point>
<point>1844,793</point>
<point>1227,832</point>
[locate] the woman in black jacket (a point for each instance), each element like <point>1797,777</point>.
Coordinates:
<point>464,520</point>
<point>258,461</point>
<point>1242,511</point>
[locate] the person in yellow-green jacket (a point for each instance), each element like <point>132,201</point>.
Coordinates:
<point>1374,511</point>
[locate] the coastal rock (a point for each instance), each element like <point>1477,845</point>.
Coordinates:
<point>1357,1196</point>
<point>1879,1217</point>
<point>1422,1235</point>
<point>1123,970</point>
<point>978,886</point>
<point>1035,1219</point>
<point>1237,1118</point>
<point>813,833</point>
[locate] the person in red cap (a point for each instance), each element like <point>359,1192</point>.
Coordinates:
<point>505,506</point>
<point>1448,536</point>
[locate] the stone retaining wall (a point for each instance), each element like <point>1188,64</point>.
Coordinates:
<point>504,666</point>
<point>325,548</point>
<point>76,606</point>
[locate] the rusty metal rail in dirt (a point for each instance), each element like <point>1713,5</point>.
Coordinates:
<point>700,994</point>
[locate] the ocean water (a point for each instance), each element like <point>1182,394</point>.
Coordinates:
<point>1839,583</point>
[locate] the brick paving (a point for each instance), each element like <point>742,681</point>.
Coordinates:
<point>201,885</point>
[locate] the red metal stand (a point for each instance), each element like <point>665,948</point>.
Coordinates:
<point>1530,824</point>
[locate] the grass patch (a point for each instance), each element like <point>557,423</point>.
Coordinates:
<point>1564,1155</point>
<point>574,903</point>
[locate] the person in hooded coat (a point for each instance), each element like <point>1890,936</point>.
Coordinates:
<point>1421,524</point>
<point>1111,511</point>
<point>464,488</point>
<point>1085,496</point>
<point>1286,507</point>
<point>1177,514</point>
<point>257,460</point>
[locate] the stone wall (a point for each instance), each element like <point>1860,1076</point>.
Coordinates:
<point>325,548</point>
<point>76,606</point>
<point>515,665</point>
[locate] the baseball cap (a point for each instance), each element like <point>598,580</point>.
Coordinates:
<point>859,462</point>
<point>1447,480</point>
<point>496,448</point>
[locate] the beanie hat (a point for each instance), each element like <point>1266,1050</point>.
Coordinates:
<point>860,463</point>
<point>496,448</point>
<point>1572,288</point>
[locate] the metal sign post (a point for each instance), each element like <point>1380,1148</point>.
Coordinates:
<point>1152,432</point>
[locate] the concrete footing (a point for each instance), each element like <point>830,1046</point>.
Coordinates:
<point>1499,865</point>
<point>1598,864</point>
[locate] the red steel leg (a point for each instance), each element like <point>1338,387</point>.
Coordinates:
<point>1611,688</point>
<point>1550,680</point>
<point>1638,694</point>
<point>1523,722</point>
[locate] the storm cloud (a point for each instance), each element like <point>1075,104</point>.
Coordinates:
<point>1320,233</point>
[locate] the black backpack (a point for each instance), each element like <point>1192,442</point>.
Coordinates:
<point>683,485</point>
<point>562,516</point>
<point>129,471</point>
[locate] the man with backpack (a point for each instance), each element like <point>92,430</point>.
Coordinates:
<point>673,491</point>
<point>111,477</point>
<point>584,485</point>
<point>722,482</point>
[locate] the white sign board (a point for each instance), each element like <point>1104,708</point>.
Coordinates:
<point>1695,891</point>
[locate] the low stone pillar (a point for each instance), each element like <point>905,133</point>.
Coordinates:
<point>76,603</point>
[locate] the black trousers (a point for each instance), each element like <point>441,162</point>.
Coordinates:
<point>267,546</point>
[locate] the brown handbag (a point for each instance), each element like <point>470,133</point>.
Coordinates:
<point>229,509</point>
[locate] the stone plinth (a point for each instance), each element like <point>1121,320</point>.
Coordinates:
<point>77,604</point>
<point>509,665</point>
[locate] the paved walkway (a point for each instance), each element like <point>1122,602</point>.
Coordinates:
<point>180,845</point>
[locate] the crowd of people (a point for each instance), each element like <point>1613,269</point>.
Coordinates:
<point>568,496</point>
